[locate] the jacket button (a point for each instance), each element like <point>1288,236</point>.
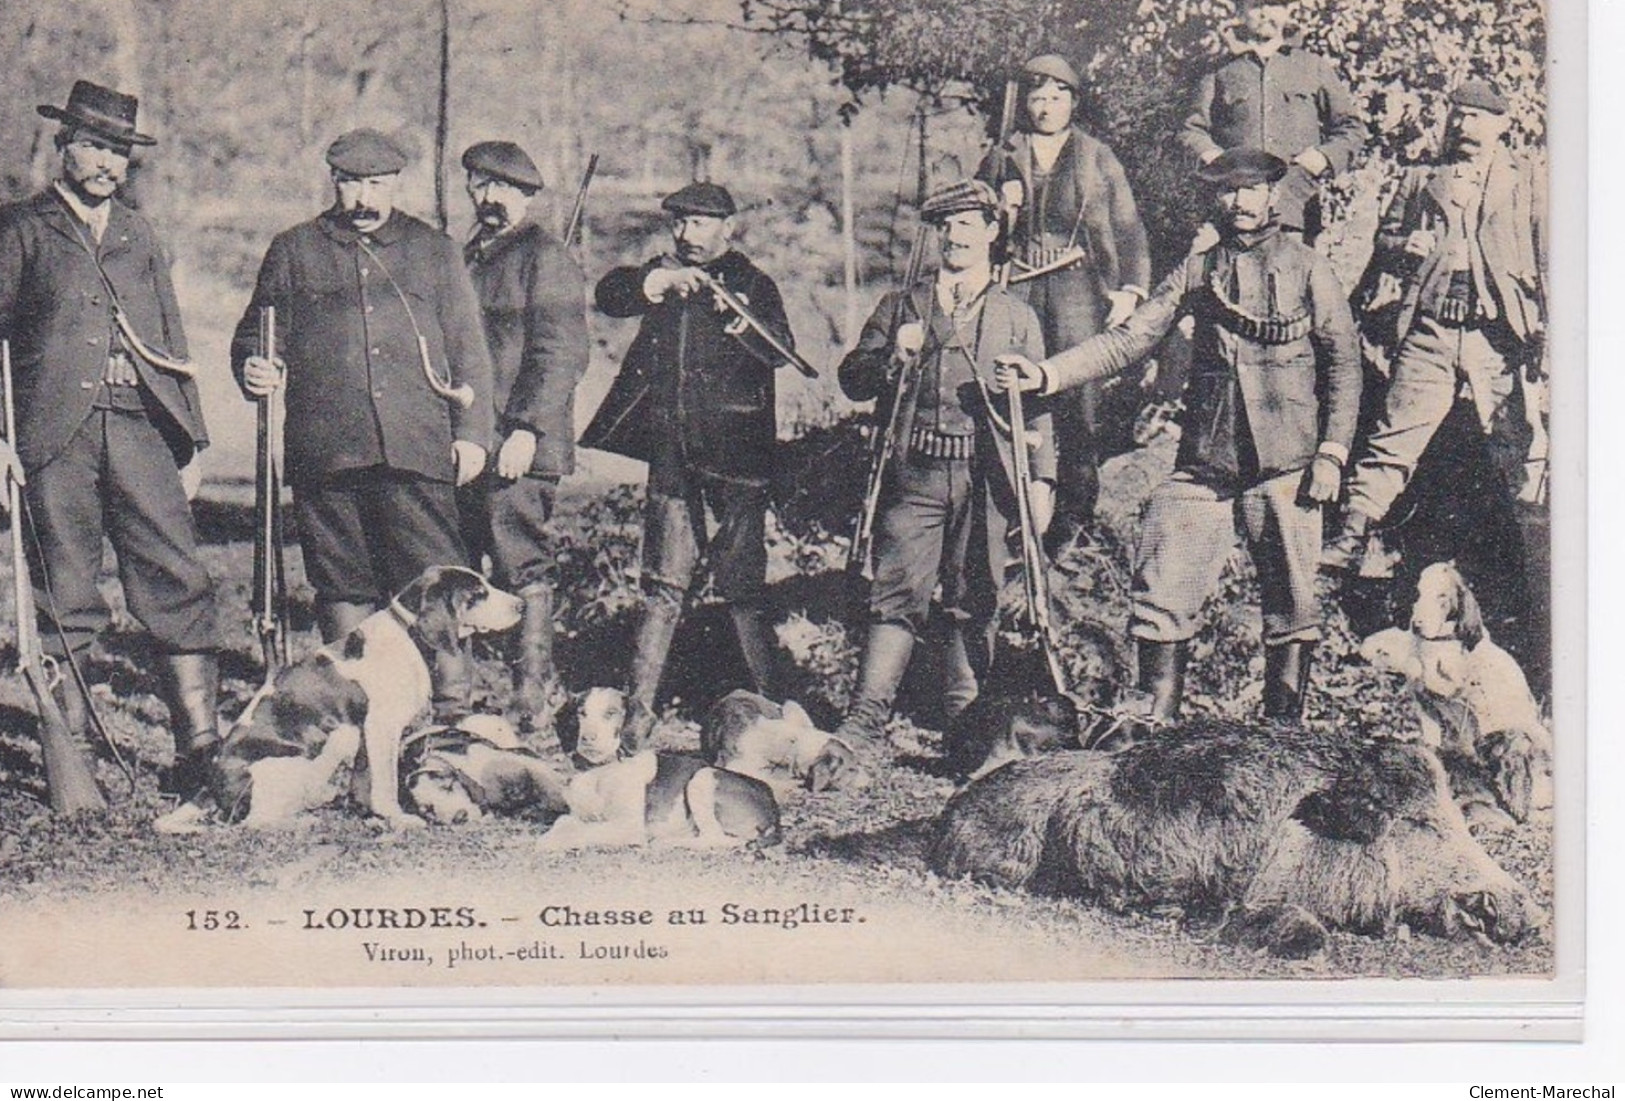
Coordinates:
<point>92,341</point>
<point>377,393</point>
<point>87,385</point>
<point>374,351</point>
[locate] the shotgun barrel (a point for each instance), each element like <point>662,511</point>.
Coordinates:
<point>270,599</point>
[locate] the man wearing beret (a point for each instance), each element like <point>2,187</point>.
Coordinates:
<point>695,399</point>
<point>1270,414</point>
<point>948,499</point>
<point>376,323</point>
<point>1277,96</point>
<point>1457,276</point>
<point>107,417</point>
<point>533,299</point>
<point>1075,221</point>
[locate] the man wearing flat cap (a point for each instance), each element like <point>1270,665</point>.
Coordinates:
<point>948,498</point>
<point>107,417</point>
<point>533,300</point>
<point>1455,295</point>
<point>1079,250</point>
<point>377,325</point>
<point>1275,95</point>
<point>1270,414</point>
<point>695,400</point>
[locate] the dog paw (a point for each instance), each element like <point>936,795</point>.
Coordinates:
<point>404,821</point>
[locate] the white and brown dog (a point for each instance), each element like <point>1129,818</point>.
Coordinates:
<point>477,768</point>
<point>779,744</point>
<point>297,744</point>
<point>650,796</point>
<point>1472,698</point>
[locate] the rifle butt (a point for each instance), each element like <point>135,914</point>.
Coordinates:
<point>68,778</point>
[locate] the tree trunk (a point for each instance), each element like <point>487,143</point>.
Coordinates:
<point>849,241</point>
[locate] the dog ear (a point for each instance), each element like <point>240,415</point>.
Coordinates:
<point>439,612</point>
<point>1469,619</point>
<point>411,598</point>
<point>567,722</point>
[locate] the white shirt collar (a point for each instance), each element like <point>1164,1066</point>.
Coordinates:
<point>93,216</point>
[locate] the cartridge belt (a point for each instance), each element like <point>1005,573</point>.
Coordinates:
<point>927,443</point>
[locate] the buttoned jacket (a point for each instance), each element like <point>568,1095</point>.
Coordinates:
<point>1510,231</point>
<point>1286,104</point>
<point>1007,324</point>
<point>533,300</point>
<point>1274,352</point>
<point>351,309</point>
<point>688,387</point>
<point>57,312</point>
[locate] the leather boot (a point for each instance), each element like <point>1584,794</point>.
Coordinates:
<point>535,680</point>
<point>961,684</point>
<point>1162,675</point>
<point>337,618</point>
<point>1286,680</point>
<point>193,692</point>
<point>885,660</point>
<point>452,678</point>
<point>1347,548</point>
<point>756,643</point>
<point>661,611</point>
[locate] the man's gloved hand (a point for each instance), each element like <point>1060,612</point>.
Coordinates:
<point>663,281</point>
<point>518,451</point>
<point>1122,306</point>
<point>469,459</point>
<point>11,468</point>
<point>1014,370</point>
<point>263,376</point>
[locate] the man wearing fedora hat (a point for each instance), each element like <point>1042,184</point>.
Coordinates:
<point>1075,221</point>
<point>1454,294</point>
<point>107,415</point>
<point>1275,95</point>
<point>1273,398</point>
<point>695,399</point>
<point>377,327</point>
<point>948,499</point>
<point>532,298</point>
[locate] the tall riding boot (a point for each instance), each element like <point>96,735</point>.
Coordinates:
<point>452,679</point>
<point>885,660</point>
<point>661,611</point>
<point>535,680</point>
<point>1286,680</point>
<point>194,718</point>
<point>1162,674</point>
<point>756,644</point>
<point>337,618</point>
<point>961,677</point>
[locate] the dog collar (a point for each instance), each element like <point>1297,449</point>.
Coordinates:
<point>1434,638</point>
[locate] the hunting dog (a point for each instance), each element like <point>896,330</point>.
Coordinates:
<point>477,768</point>
<point>1472,699</point>
<point>778,744</point>
<point>650,796</point>
<point>335,719</point>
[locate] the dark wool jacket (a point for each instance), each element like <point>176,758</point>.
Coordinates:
<point>1281,389</point>
<point>1292,102</point>
<point>55,311</point>
<point>534,302</point>
<point>687,387</point>
<point>1007,325</point>
<point>357,396</point>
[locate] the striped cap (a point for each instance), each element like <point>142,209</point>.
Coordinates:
<point>958,197</point>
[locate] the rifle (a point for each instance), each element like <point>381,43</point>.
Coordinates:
<point>269,603</point>
<point>1034,578</point>
<point>579,209</point>
<point>731,300</point>
<point>68,778</point>
<point>860,558</point>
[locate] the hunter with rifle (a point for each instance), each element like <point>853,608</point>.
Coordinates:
<point>533,300</point>
<point>108,423</point>
<point>946,497</point>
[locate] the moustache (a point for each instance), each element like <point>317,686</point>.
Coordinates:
<point>362,214</point>
<point>492,212</point>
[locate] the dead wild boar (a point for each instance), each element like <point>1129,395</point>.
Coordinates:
<point>1282,833</point>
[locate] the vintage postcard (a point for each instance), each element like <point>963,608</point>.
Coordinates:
<point>714,502</point>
